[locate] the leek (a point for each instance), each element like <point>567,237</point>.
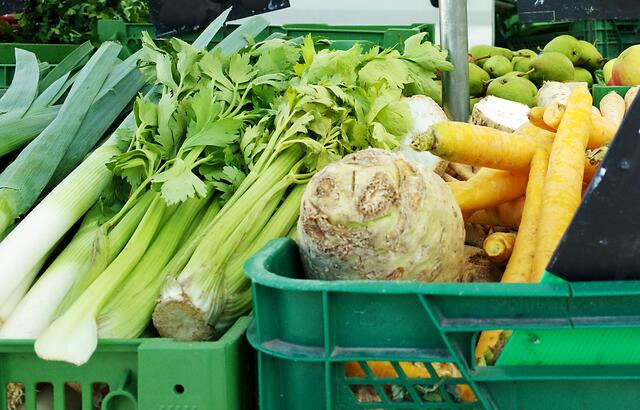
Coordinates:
<point>21,250</point>
<point>89,249</point>
<point>23,89</point>
<point>19,132</point>
<point>25,178</point>
<point>72,61</point>
<point>73,337</point>
<point>48,96</point>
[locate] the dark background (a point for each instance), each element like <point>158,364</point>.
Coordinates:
<point>552,10</point>
<point>171,16</point>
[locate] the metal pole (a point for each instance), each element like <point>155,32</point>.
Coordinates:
<point>453,37</point>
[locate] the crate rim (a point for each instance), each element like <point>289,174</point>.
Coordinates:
<point>254,269</point>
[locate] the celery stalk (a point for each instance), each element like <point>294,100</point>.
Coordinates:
<point>127,314</point>
<point>73,337</point>
<point>188,303</point>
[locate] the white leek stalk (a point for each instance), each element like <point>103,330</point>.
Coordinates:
<point>89,249</point>
<point>8,307</point>
<point>73,337</point>
<point>47,223</point>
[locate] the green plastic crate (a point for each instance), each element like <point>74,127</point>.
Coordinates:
<point>129,34</point>
<point>141,374</point>
<point>305,331</point>
<point>611,37</point>
<point>600,91</point>
<point>50,53</point>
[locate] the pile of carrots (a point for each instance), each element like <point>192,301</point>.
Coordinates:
<point>531,180</point>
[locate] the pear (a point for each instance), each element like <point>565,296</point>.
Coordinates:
<point>517,74</point>
<point>525,52</point>
<point>473,102</point>
<point>581,74</point>
<point>567,45</point>
<point>477,78</point>
<point>590,57</point>
<point>522,63</point>
<point>514,88</point>
<point>607,70</point>
<point>626,69</point>
<point>480,54</point>
<point>497,66</point>
<point>551,66</point>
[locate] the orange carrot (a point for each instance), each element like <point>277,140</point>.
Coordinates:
<point>488,188</point>
<point>519,267</point>
<point>477,145</point>
<point>563,183</point>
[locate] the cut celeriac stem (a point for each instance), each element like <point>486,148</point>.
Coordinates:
<point>498,113</point>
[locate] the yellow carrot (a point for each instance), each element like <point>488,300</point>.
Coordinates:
<point>488,188</point>
<point>563,183</point>
<point>464,171</point>
<point>536,117</point>
<point>520,264</point>
<point>508,214</point>
<point>499,246</point>
<point>477,145</point>
<point>412,370</point>
<point>612,107</point>
<point>553,114</point>
<point>602,131</point>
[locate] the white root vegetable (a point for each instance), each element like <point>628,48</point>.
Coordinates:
<point>612,107</point>
<point>377,215</point>
<point>552,92</point>
<point>501,114</point>
<point>425,112</point>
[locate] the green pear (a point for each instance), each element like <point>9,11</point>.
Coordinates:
<point>480,54</point>
<point>607,70</point>
<point>473,102</point>
<point>525,52</point>
<point>522,63</point>
<point>514,88</point>
<point>517,74</point>
<point>497,66</point>
<point>590,57</point>
<point>581,74</point>
<point>477,78</point>
<point>567,45</point>
<point>551,66</point>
